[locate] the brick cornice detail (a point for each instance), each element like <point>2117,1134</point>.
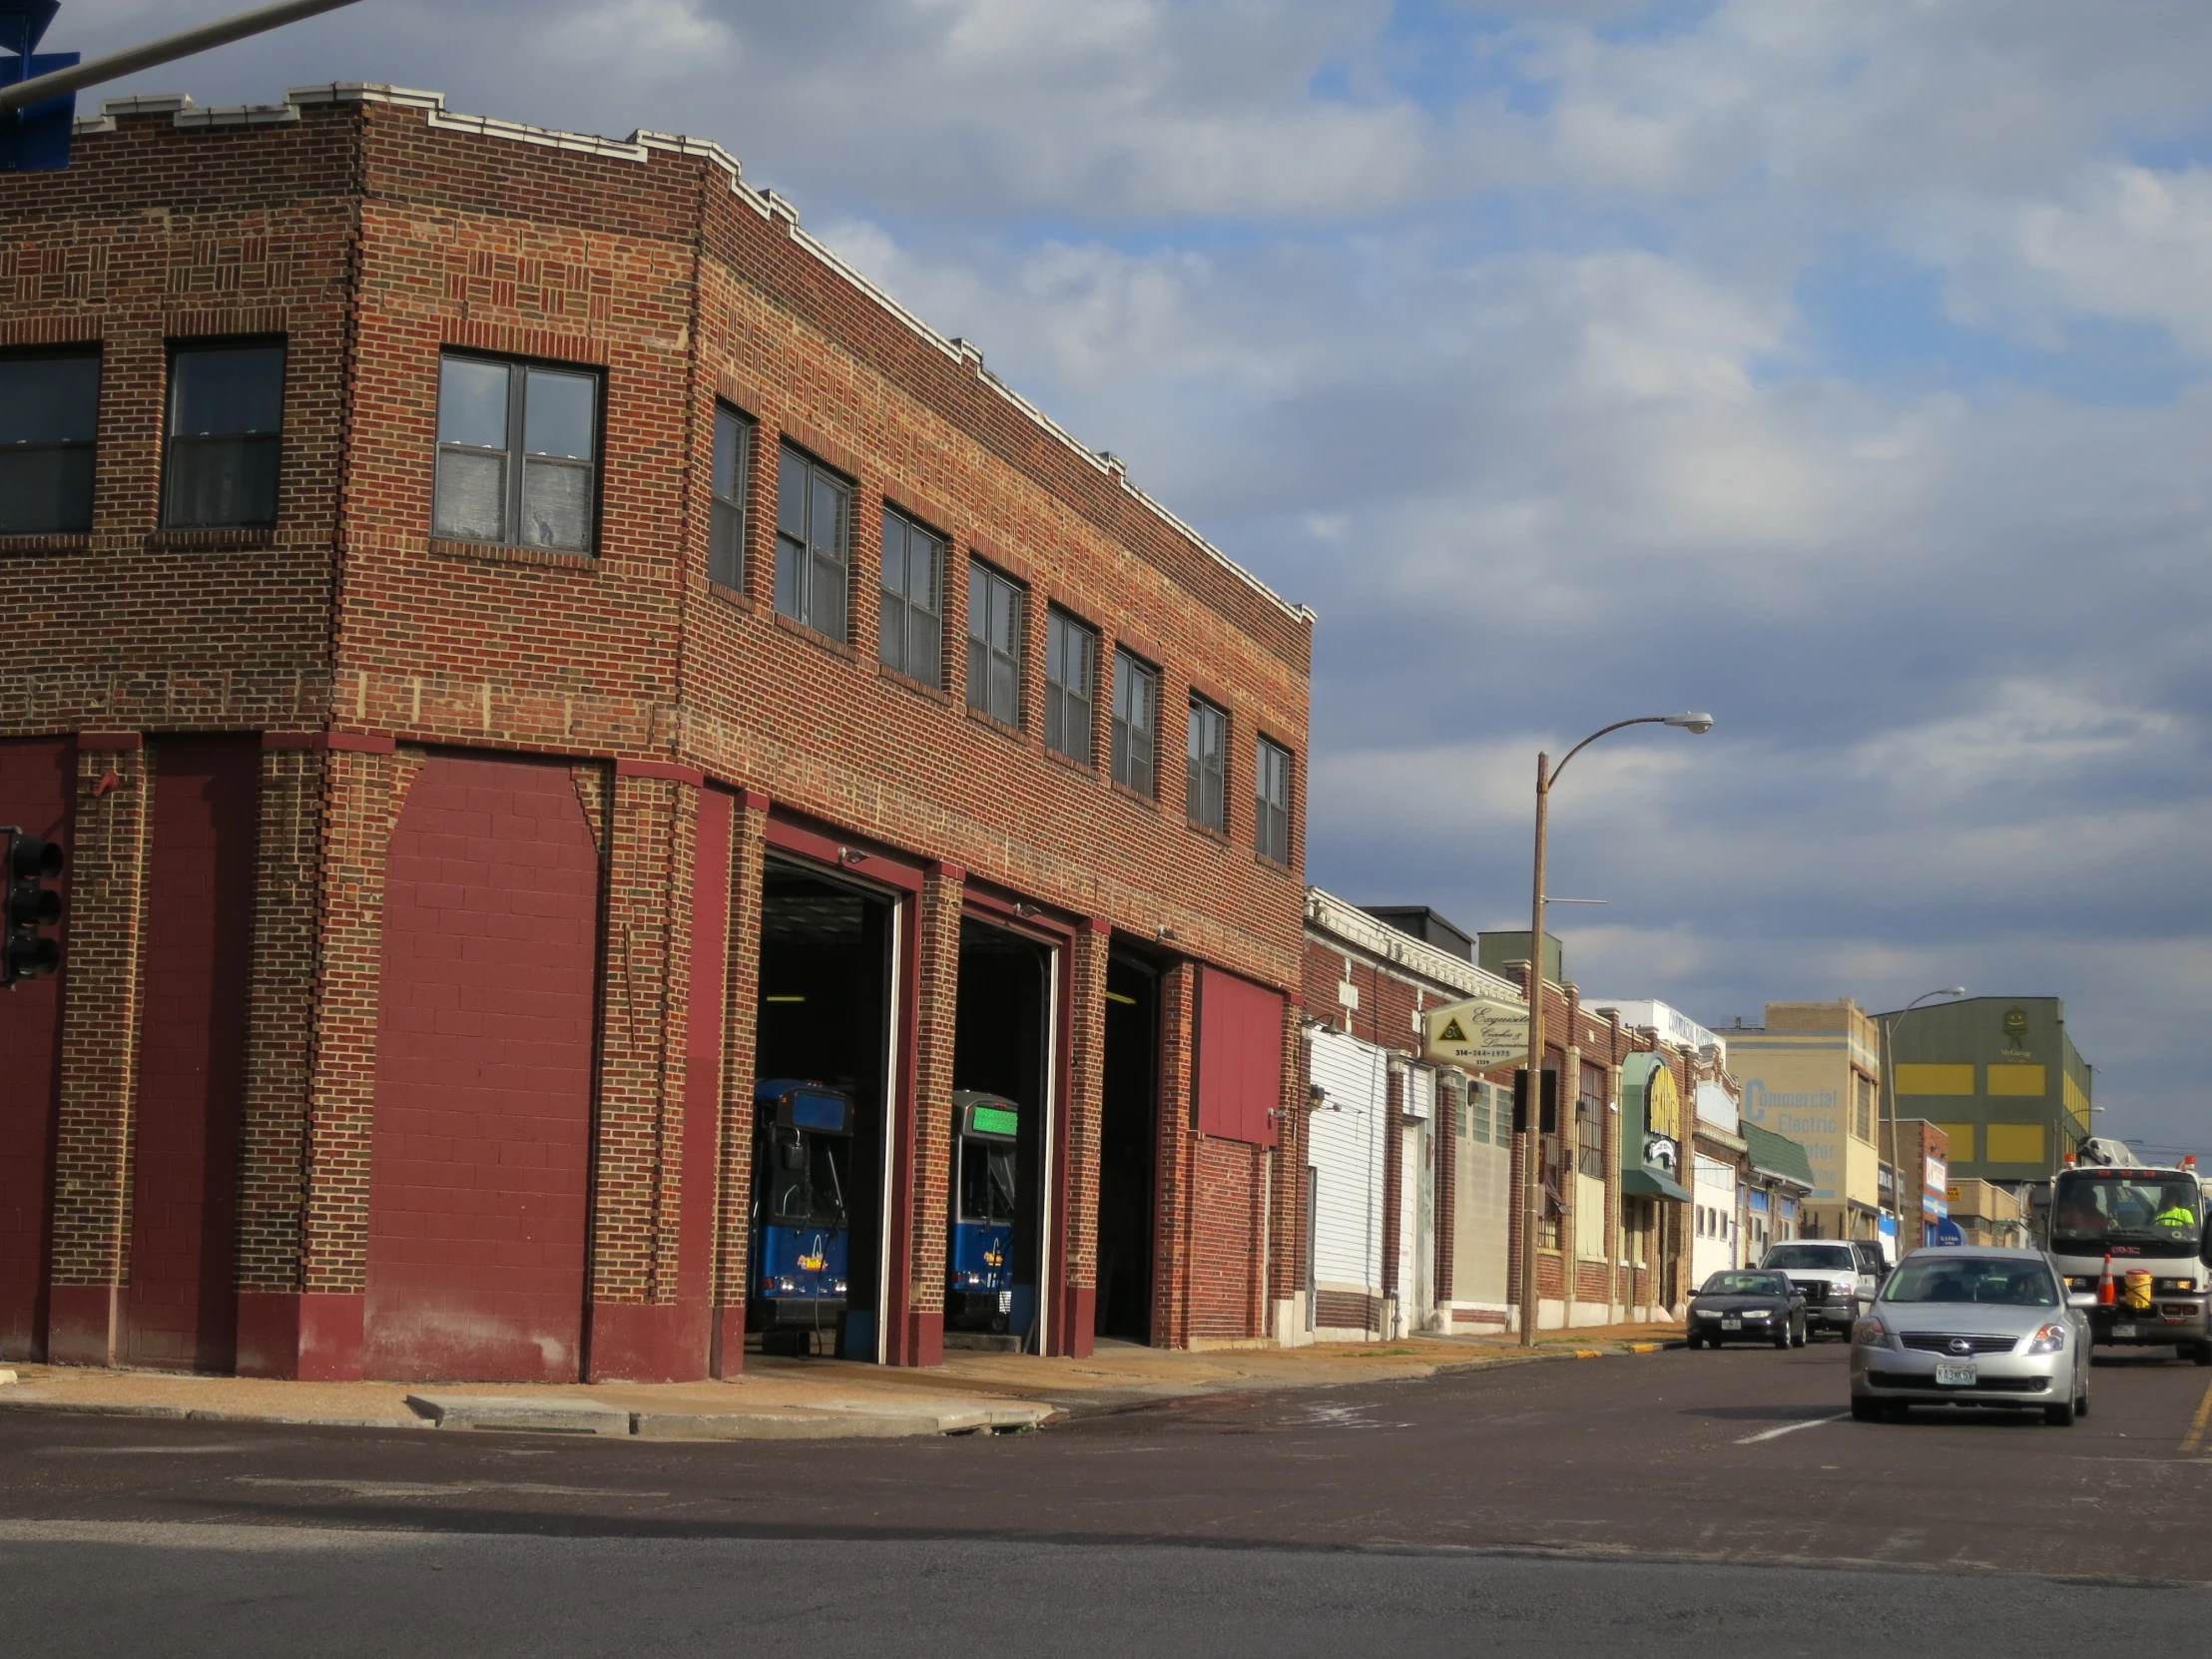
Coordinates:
<point>347,743</point>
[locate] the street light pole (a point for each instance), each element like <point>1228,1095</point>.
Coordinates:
<point>1889,1024</point>
<point>1532,1181</point>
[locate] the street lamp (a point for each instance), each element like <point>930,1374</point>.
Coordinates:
<point>1531,1151</point>
<point>1889,1024</point>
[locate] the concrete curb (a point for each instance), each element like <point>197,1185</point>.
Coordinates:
<point>493,1413</point>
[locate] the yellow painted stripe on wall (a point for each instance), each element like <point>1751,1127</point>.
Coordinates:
<point>2014,1143</point>
<point>1931,1079</point>
<point>2017,1080</point>
<point>1962,1142</point>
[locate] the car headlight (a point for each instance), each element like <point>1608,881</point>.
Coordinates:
<point>1870,1333</point>
<point>838,1286</point>
<point>1708,1313</point>
<point>786,1284</point>
<point>2050,1339</point>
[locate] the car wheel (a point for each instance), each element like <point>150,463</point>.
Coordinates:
<point>1782,1339</point>
<point>1693,1341</point>
<point>2081,1405</point>
<point>1797,1336</point>
<point>2059,1416</point>
<point>2203,1354</point>
<point>1865,1411</point>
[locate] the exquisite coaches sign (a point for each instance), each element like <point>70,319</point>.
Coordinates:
<point>1479,1034</point>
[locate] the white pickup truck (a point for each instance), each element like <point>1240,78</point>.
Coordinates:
<point>1839,1277</point>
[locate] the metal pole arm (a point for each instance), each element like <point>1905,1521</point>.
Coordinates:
<point>1640,720</point>
<point>166,50</point>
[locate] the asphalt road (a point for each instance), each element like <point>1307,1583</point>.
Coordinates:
<point>1677,1501</point>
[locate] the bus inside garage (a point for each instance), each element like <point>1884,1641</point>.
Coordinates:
<point>814,1255</point>
<point>1002,1063</point>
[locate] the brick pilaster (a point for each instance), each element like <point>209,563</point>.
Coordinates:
<point>928,1153</point>
<point>363,796</point>
<point>279,1057</point>
<point>748,843</point>
<point>1086,1082</point>
<point>643,1032</point>
<point>1177,1168</point>
<point>92,1154</point>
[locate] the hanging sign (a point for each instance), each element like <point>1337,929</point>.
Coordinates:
<point>1483,1033</point>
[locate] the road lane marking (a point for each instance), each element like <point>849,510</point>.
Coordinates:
<point>1791,1428</point>
<point>2195,1437</point>
<point>443,1488</point>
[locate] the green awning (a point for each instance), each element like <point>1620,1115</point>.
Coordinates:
<point>1649,1183</point>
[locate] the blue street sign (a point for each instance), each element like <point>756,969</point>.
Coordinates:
<point>35,139</point>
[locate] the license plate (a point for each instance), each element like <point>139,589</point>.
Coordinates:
<point>1732,1325</point>
<point>2124,1331</point>
<point>1954,1375</point>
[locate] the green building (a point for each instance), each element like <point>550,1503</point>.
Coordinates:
<point>1999,1075</point>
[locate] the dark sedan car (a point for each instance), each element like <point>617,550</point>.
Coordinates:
<point>1748,1306</point>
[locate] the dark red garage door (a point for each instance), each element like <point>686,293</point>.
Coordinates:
<point>34,796</point>
<point>180,1308</point>
<point>480,1157</point>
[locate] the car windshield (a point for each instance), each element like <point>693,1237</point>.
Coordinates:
<point>1990,1282</point>
<point>2095,1208</point>
<point>1746,1283</point>
<point>1810,1256</point>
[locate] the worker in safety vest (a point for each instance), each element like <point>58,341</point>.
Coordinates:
<point>2176,1213</point>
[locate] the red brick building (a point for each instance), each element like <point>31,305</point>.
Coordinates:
<point>520,644</point>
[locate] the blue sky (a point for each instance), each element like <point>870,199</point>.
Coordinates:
<point>1836,366</point>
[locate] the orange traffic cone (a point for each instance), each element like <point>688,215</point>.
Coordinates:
<point>2105,1295</point>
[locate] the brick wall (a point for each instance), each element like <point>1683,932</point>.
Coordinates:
<point>370,238</point>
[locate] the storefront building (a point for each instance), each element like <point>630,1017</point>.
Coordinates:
<point>587,736</point>
<point>2000,1075</point>
<point>1812,1073</point>
<point>1408,1201</point>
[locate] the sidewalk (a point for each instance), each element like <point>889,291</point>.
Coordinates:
<point>785,1398</point>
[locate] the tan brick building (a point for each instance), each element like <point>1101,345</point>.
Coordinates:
<point>521,644</point>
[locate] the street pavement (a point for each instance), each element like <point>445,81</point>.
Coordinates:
<point>1679,1501</point>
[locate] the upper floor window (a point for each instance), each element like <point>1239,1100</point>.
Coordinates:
<point>226,426</point>
<point>518,453</point>
<point>1271,788</point>
<point>911,637</point>
<point>732,472</point>
<point>1207,799</point>
<point>814,513</point>
<point>49,416</point>
<point>994,626</point>
<point>1136,724</point>
<point>1070,656</point>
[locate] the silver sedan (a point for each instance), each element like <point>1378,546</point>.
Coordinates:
<point>1972,1326</point>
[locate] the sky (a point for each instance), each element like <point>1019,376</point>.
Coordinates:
<point>1843,368</point>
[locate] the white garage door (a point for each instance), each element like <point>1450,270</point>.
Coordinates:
<point>1344,1147</point>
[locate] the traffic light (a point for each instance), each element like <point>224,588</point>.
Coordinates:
<point>34,908</point>
<point>1550,1116</point>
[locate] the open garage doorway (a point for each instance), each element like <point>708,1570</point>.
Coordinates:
<point>1128,1139</point>
<point>816,1250</point>
<point>1000,1228</point>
